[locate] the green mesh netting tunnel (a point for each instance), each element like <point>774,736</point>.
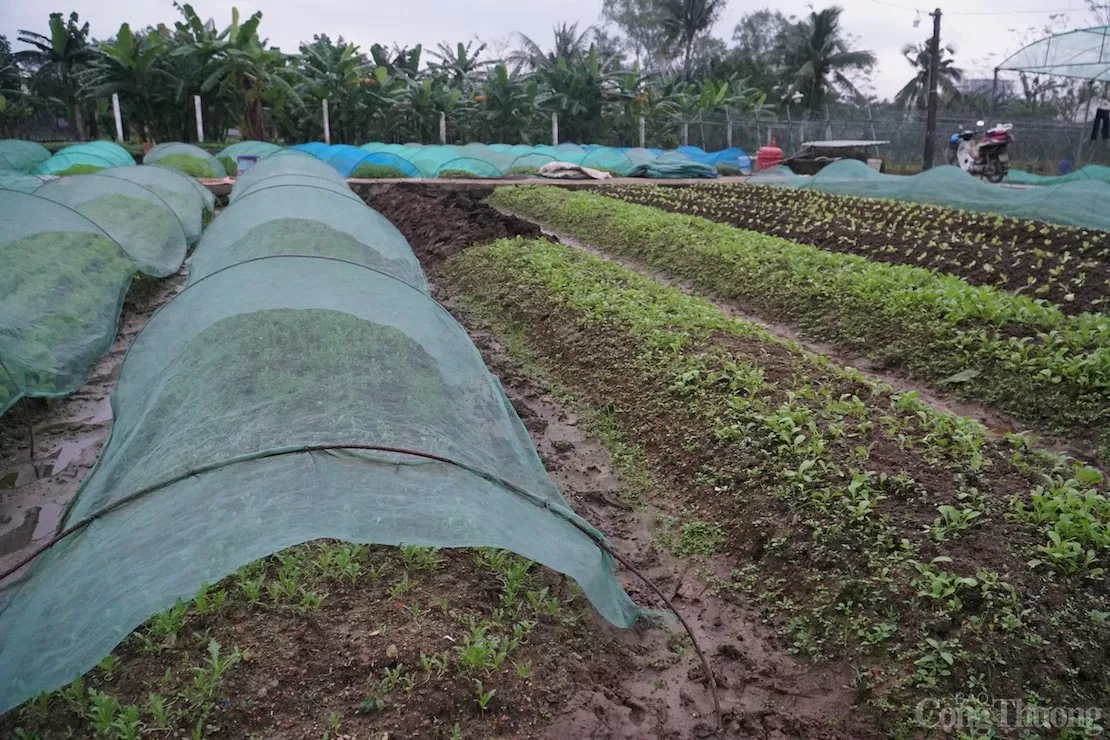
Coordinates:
<point>62,284</point>
<point>242,416</point>
<point>307,220</point>
<point>21,156</point>
<point>143,224</point>
<point>190,159</point>
<point>179,191</point>
<point>1083,203</point>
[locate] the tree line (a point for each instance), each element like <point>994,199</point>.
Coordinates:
<point>653,59</point>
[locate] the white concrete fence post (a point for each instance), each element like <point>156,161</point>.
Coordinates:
<point>327,123</point>
<point>119,118</point>
<point>200,118</point>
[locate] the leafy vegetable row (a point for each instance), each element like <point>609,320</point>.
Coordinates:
<point>865,525</point>
<point>1048,368</point>
<point>1068,266</point>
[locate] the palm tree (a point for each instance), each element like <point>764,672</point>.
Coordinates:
<point>56,61</point>
<point>818,59</point>
<point>916,92</point>
<point>569,45</point>
<point>685,21</point>
<point>462,63</point>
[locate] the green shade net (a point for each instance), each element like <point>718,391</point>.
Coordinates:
<point>528,162</point>
<point>674,170</point>
<point>170,154</point>
<point>62,285</point>
<point>609,159</point>
<point>1090,172</point>
<point>431,158</point>
<point>88,154</point>
<point>466,167</point>
<point>285,163</point>
<point>305,220</point>
<point>108,149</point>
<point>260,149</point>
<point>217,401</point>
<point>21,156</point>
<point>22,183</point>
<point>1082,203</point>
<point>475,150</point>
<point>279,181</point>
<point>177,190</point>
<point>143,224</point>
<point>64,160</point>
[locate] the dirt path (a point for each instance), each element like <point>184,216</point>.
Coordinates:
<point>764,692</point>
<point>68,435</point>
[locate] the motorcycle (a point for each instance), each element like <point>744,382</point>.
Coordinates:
<point>988,158</point>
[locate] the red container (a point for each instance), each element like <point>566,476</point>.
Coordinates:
<point>767,157</point>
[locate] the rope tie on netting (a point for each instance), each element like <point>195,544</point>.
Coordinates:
<point>559,511</point>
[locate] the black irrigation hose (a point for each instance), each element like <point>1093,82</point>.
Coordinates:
<point>495,479</point>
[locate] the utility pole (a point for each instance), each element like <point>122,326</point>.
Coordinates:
<point>934,72</point>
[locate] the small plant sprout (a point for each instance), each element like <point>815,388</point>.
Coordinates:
<point>108,665</point>
<point>418,558</point>
<point>483,698</point>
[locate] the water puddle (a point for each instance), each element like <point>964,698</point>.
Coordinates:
<point>16,539</point>
<point>56,462</point>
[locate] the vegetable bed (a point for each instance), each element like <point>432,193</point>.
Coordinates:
<point>60,298</point>
<point>1066,265</point>
<point>942,562</point>
<point>1029,358</point>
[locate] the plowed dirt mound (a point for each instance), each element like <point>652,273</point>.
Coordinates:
<point>440,222</point>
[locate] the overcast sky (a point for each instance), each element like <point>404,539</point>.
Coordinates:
<point>983,31</point>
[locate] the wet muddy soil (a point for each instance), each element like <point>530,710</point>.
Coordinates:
<point>48,446</point>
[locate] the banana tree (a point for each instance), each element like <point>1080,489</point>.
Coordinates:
<point>581,91</point>
<point>421,102</point>
<point>14,101</point>
<point>506,106</point>
<point>134,68</point>
<point>338,72</point>
<point>56,61</point>
<point>252,73</point>
<point>721,97</point>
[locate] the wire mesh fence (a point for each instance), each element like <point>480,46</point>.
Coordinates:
<point>1040,145</point>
